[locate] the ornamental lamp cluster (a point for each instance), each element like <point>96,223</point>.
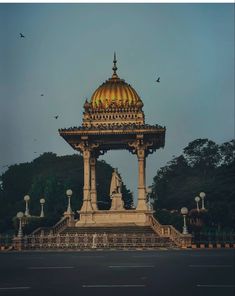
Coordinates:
<point>201,197</point>
<point>26,212</point>
<point>21,215</point>
<point>184,211</point>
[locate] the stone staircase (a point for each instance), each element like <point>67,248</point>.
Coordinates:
<point>118,237</point>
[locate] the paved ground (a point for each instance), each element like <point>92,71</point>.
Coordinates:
<point>158,273</point>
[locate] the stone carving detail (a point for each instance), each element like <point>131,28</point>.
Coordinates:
<point>140,145</point>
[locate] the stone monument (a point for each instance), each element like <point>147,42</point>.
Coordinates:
<point>116,192</point>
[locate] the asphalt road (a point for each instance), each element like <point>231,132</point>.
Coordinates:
<point>158,273</point>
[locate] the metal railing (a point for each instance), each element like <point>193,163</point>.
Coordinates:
<point>214,237</point>
<point>92,241</point>
<point>5,241</point>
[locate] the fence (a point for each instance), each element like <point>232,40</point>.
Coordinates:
<point>6,241</point>
<point>214,238</point>
<point>91,241</point>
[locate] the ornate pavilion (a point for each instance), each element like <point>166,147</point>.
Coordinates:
<point>113,119</point>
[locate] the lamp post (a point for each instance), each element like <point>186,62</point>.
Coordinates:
<point>26,199</point>
<point>42,201</point>
<point>20,216</point>
<point>184,212</point>
<point>197,199</point>
<point>69,193</point>
<point>203,195</point>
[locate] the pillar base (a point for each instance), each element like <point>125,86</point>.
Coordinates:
<point>86,206</point>
<point>142,205</point>
<point>85,218</point>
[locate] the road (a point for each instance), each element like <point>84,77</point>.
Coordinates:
<point>158,273</point>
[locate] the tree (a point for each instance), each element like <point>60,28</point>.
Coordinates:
<point>203,166</point>
<point>49,176</point>
<point>202,153</point>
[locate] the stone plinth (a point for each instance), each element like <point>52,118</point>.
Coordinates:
<point>114,217</point>
<point>117,202</point>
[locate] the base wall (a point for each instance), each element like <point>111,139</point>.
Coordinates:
<point>111,218</point>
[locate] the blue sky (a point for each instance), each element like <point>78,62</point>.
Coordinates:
<point>68,52</point>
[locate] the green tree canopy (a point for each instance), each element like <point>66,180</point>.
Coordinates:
<point>203,166</point>
<point>49,176</point>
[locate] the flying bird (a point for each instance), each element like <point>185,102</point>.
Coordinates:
<point>158,80</point>
<point>21,35</point>
<point>42,95</point>
<point>56,117</point>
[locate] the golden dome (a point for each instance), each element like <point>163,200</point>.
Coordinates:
<point>115,93</point>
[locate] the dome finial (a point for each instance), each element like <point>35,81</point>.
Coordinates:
<point>114,65</point>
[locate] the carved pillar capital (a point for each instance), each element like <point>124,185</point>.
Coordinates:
<point>140,147</point>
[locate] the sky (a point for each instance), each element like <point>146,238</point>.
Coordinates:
<point>67,53</point>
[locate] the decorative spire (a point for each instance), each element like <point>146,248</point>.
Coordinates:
<point>114,65</point>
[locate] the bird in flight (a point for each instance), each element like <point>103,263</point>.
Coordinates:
<point>21,35</point>
<point>158,80</point>
<point>56,117</point>
<point>42,95</point>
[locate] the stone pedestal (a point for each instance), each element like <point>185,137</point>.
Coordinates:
<point>71,221</point>
<point>117,202</point>
<point>114,218</point>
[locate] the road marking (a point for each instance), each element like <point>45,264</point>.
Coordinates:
<point>15,288</point>
<point>215,286</point>
<point>90,257</point>
<point>131,266</point>
<point>212,266</point>
<point>113,286</point>
<point>146,256</point>
<point>51,267</point>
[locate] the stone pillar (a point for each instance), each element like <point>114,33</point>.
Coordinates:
<point>142,202</point>
<point>93,184</point>
<point>86,206</point>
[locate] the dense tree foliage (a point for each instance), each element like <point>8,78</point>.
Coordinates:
<point>49,176</point>
<point>203,166</point>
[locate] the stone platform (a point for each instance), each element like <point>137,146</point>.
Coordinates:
<point>114,217</point>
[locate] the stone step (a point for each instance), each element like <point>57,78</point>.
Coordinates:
<point>110,229</point>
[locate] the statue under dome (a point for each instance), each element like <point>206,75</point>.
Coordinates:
<point>116,191</point>
<point>116,183</point>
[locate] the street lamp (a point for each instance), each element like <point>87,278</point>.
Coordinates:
<point>42,201</point>
<point>20,215</point>
<point>69,193</point>
<point>26,199</point>
<point>202,195</point>
<point>197,199</point>
<point>184,212</point>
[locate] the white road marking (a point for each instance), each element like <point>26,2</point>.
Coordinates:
<point>14,288</point>
<point>146,256</point>
<point>212,266</point>
<point>131,266</point>
<point>113,286</point>
<point>215,286</point>
<point>51,267</point>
